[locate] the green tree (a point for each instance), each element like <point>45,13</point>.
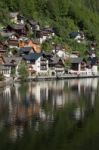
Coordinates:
<point>23,71</point>
<point>64,15</point>
<point>13,71</point>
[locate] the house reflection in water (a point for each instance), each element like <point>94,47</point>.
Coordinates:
<point>87,92</point>
<point>31,103</point>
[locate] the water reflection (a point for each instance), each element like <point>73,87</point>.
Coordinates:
<point>29,105</point>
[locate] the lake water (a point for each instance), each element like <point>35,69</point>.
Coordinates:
<point>51,115</point>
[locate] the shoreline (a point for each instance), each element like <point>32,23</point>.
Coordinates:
<point>61,77</point>
<point>10,81</point>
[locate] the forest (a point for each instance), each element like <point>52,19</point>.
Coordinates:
<point>64,16</point>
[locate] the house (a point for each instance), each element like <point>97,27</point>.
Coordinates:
<point>61,54</point>
<point>77,36</point>
<point>13,17</point>
<point>3,48</point>
<point>19,29</point>
<point>44,34</point>
<point>6,34</point>
<point>47,55</point>
<point>93,63</point>
<point>56,48</point>
<point>14,36</point>
<point>1,60</point>
<point>56,66</point>
<point>16,18</point>
<point>7,63</point>
<point>34,25</point>
<point>59,51</point>
<point>78,66</point>
<point>12,43</point>
<point>29,43</point>
<point>36,62</point>
<point>5,70</point>
<point>74,54</point>
<point>93,46</point>
<point>49,30</point>
<point>91,53</point>
<point>82,66</point>
<point>25,50</point>
<point>20,19</point>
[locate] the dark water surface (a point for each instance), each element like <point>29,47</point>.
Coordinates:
<point>51,115</point>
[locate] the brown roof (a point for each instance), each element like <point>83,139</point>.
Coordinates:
<point>3,46</point>
<point>76,60</point>
<point>32,22</point>
<point>6,34</point>
<point>17,26</point>
<point>9,60</point>
<point>13,42</point>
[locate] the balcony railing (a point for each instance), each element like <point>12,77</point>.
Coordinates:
<point>43,68</point>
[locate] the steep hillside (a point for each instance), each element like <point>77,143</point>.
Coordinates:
<point>64,15</point>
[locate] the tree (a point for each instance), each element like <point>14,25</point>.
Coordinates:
<point>64,16</point>
<point>23,71</point>
<point>13,72</point>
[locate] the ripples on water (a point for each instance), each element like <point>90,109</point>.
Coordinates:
<point>50,115</point>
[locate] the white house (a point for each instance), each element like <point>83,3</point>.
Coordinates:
<point>80,66</point>
<point>16,18</point>
<point>8,64</point>
<point>61,54</point>
<point>77,36</point>
<point>44,34</point>
<point>37,63</point>
<point>13,16</point>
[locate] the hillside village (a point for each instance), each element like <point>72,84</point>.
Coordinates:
<point>21,42</point>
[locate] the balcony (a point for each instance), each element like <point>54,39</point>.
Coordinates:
<point>43,68</point>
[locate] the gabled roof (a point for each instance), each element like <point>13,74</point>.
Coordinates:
<point>55,60</point>
<point>17,26</point>
<point>48,29</point>
<point>13,14</point>
<point>6,34</point>
<point>25,49</point>
<point>32,56</point>
<point>3,46</point>
<point>10,60</point>
<point>20,17</point>
<point>73,34</point>
<point>76,60</point>
<point>47,54</point>
<point>12,42</point>
<point>32,22</point>
<point>5,67</point>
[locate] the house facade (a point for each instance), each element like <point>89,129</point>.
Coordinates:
<point>83,67</point>
<point>36,63</point>
<point>78,66</point>
<point>44,34</point>
<point>7,64</point>
<point>3,48</point>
